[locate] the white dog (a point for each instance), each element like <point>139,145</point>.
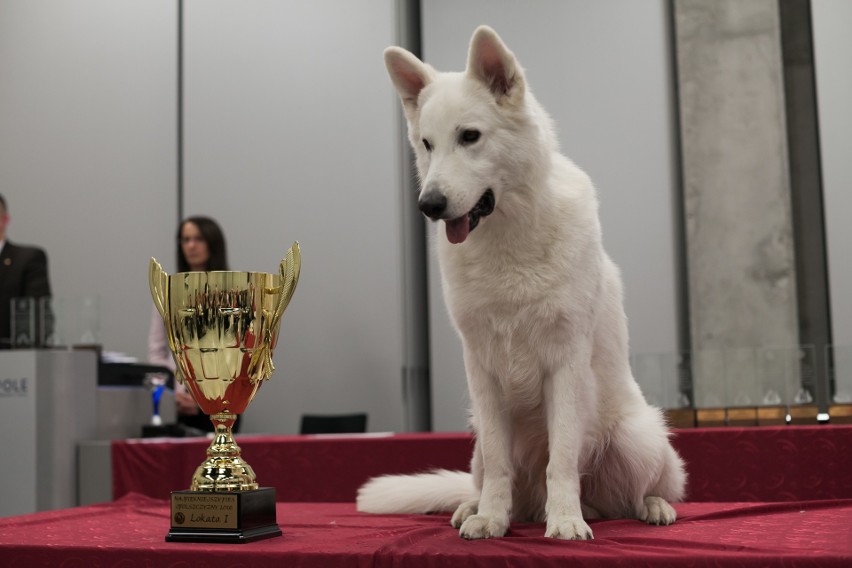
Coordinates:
<point>557,415</point>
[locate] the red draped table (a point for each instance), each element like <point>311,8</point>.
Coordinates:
<point>784,463</point>
<point>757,497</point>
<point>129,533</point>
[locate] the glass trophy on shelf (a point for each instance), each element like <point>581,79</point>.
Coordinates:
<point>47,329</point>
<point>23,328</point>
<point>741,383</point>
<point>802,407</point>
<point>779,372</point>
<point>87,322</point>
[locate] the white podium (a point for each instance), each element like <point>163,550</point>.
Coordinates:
<point>48,404</point>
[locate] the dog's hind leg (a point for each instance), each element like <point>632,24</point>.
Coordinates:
<point>640,472</point>
<point>590,512</point>
<point>655,510</point>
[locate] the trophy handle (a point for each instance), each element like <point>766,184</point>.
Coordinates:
<point>289,276</point>
<point>158,281</point>
<point>289,270</point>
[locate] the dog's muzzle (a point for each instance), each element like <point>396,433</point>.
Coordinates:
<point>458,229</point>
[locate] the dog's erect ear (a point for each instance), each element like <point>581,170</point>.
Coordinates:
<point>409,75</point>
<point>490,61</point>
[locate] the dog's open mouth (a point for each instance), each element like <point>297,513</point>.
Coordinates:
<point>459,229</point>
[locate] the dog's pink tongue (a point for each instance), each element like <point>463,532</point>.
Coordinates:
<point>458,229</point>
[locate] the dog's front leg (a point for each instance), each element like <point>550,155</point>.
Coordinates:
<point>494,443</point>
<point>565,402</point>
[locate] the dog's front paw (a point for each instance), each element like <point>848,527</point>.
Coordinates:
<point>568,528</point>
<point>481,526</point>
<point>464,511</point>
<point>657,511</point>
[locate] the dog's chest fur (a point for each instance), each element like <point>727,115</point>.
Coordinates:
<point>511,316</point>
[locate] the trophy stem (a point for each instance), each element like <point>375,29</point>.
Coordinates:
<point>224,469</point>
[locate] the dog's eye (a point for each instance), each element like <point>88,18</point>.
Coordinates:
<point>469,136</point>
<point>427,145</point>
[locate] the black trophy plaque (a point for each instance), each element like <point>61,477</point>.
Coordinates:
<point>226,517</point>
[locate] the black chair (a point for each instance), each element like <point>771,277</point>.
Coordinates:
<point>333,423</point>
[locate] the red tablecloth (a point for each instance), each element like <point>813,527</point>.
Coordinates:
<point>129,533</point>
<point>301,468</point>
<point>761,464</point>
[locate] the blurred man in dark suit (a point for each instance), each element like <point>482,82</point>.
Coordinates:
<point>23,273</point>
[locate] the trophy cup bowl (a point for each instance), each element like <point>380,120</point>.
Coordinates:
<point>222,328</point>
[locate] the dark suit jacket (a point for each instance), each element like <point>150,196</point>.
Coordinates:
<point>23,273</point>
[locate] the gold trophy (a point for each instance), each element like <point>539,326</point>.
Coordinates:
<point>221,328</point>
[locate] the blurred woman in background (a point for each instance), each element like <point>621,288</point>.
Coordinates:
<point>200,248</point>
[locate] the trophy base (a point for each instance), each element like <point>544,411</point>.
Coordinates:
<point>223,536</point>
<point>223,517</point>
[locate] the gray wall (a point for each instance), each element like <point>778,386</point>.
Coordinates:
<point>291,134</point>
<point>832,20</point>
<point>87,147</point>
<point>603,71</point>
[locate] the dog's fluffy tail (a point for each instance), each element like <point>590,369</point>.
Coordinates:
<point>437,491</point>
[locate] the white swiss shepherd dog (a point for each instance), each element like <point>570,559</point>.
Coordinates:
<point>563,433</point>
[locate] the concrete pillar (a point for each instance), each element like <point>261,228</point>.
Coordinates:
<point>739,234</point>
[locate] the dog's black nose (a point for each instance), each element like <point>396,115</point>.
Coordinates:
<point>433,204</point>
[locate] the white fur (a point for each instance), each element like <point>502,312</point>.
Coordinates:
<point>538,304</point>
